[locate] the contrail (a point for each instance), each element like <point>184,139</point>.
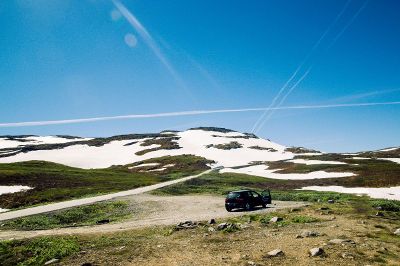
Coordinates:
<point>135,23</point>
<point>188,113</point>
<point>271,113</point>
<point>348,24</point>
<point>316,45</point>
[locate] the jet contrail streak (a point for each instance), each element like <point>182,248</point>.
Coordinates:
<point>188,113</point>
<point>315,46</point>
<point>348,24</point>
<point>271,113</point>
<point>135,23</point>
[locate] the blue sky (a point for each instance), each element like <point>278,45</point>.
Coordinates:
<point>77,59</point>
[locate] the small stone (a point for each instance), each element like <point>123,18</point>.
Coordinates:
<point>331,201</point>
<point>346,255</point>
<point>324,208</point>
<point>104,221</point>
<point>275,219</point>
<point>379,214</point>
<point>212,221</point>
<point>222,226</point>
<point>309,234</point>
<point>211,229</point>
<point>245,256</point>
<point>87,264</point>
<point>341,241</point>
<point>51,261</point>
<point>251,263</point>
<point>274,253</point>
<point>397,232</point>
<point>316,252</point>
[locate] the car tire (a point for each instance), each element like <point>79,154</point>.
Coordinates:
<point>228,209</point>
<point>264,206</point>
<point>248,207</point>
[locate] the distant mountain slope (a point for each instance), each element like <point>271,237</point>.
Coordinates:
<point>230,151</point>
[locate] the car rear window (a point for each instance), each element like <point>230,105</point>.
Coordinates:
<point>233,195</point>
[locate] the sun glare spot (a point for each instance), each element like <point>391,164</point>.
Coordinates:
<point>130,40</point>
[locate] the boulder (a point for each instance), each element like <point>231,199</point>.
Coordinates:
<point>212,221</point>
<point>314,252</point>
<point>275,219</point>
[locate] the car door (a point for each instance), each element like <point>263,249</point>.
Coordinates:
<point>257,199</point>
<point>266,196</point>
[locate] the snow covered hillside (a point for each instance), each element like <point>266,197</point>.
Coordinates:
<point>231,151</point>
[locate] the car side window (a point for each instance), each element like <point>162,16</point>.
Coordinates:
<point>255,195</point>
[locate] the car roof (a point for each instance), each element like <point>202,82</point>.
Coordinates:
<point>239,191</point>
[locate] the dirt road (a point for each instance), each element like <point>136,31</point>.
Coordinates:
<point>78,202</point>
<point>151,210</point>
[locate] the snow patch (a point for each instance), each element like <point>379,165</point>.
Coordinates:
<point>312,162</point>
<point>144,165</point>
<point>12,189</point>
<point>262,170</point>
<point>392,193</point>
<point>395,160</point>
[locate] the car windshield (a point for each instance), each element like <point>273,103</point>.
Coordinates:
<point>233,195</point>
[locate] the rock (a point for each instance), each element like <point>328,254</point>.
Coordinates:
<point>341,241</point>
<point>274,253</point>
<point>379,208</point>
<point>104,221</point>
<point>379,214</point>
<point>397,232</point>
<point>295,210</point>
<point>324,208</point>
<point>309,234</point>
<point>331,201</point>
<point>251,263</point>
<point>222,226</point>
<point>212,221</point>
<point>314,252</point>
<point>51,261</point>
<point>87,264</point>
<point>275,219</point>
<point>186,225</point>
<point>211,229</point>
<point>346,255</point>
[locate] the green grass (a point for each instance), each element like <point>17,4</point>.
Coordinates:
<point>36,251</point>
<point>78,216</point>
<point>53,182</point>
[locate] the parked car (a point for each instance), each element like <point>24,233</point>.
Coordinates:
<point>247,199</point>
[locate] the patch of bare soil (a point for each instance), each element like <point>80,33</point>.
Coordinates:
<point>344,241</point>
<point>150,210</point>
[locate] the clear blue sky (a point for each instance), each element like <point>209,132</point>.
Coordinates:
<point>75,59</point>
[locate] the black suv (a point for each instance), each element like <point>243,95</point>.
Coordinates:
<point>247,199</point>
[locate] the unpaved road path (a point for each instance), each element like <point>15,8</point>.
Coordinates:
<point>151,210</point>
<point>78,202</point>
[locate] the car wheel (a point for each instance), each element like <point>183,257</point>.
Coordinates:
<point>264,205</point>
<point>248,207</point>
<point>228,209</point>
